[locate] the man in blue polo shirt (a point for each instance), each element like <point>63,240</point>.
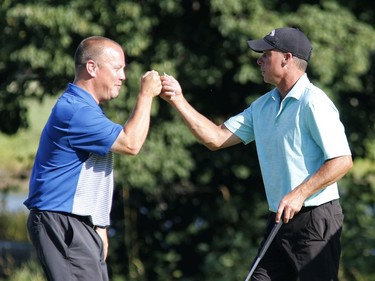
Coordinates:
<point>302,151</point>
<point>71,185</point>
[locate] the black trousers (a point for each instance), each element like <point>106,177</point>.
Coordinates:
<point>308,247</point>
<point>68,248</point>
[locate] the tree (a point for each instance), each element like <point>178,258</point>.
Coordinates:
<point>182,212</point>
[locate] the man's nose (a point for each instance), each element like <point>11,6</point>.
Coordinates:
<point>123,75</point>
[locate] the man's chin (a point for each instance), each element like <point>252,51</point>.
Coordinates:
<point>115,95</point>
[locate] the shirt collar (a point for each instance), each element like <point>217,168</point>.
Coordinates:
<point>299,87</point>
<point>78,91</point>
<point>295,92</point>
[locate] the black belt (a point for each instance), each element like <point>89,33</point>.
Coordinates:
<point>309,208</point>
<point>85,219</point>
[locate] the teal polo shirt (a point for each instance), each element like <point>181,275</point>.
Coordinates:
<point>293,139</point>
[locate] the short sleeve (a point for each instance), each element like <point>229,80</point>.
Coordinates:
<point>242,125</point>
<point>326,128</point>
<point>90,130</point>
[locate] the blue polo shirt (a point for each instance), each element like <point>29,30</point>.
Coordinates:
<point>73,167</point>
<point>293,139</point>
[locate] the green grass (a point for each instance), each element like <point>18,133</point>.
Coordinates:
<point>30,271</point>
<point>17,152</point>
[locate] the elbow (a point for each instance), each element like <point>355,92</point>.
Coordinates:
<point>127,146</point>
<point>126,150</point>
<point>346,163</point>
<point>218,144</point>
<point>349,161</point>
<point>133,151</point>
<point>213,147</point>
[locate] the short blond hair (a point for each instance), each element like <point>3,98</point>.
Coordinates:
<point>91,48</point>
<point>300,63</point>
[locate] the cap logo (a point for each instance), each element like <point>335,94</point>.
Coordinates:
<point>272,33</point>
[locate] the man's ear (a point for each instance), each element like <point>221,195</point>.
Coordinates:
<point>287,56</point>
<point>91,68</point>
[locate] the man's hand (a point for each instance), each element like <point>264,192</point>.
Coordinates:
<point>150,83</point>
<point>171,88</point>
<point>290,205</point>
<point>104,236</point>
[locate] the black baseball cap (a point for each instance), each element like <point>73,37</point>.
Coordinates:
<point>285,39</point>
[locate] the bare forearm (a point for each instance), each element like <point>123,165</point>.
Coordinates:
<point>134,133</point>
<point>202,128</point>
<point>331,171</point>
<point>207,132</point>
<point>135,130</point>
<point>137,126</point>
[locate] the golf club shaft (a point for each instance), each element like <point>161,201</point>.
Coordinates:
<point>268,242</point>
<point>253,269</point>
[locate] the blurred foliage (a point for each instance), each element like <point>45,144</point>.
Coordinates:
<point>13,227</point>
<point>29,271</point>
<point>182,212</point>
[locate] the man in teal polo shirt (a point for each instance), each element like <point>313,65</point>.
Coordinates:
<point>303,151</point>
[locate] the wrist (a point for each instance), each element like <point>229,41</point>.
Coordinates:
<point>100,227</point>
<point>145,96</point>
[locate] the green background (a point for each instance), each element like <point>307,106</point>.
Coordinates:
<point>182,212</point>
